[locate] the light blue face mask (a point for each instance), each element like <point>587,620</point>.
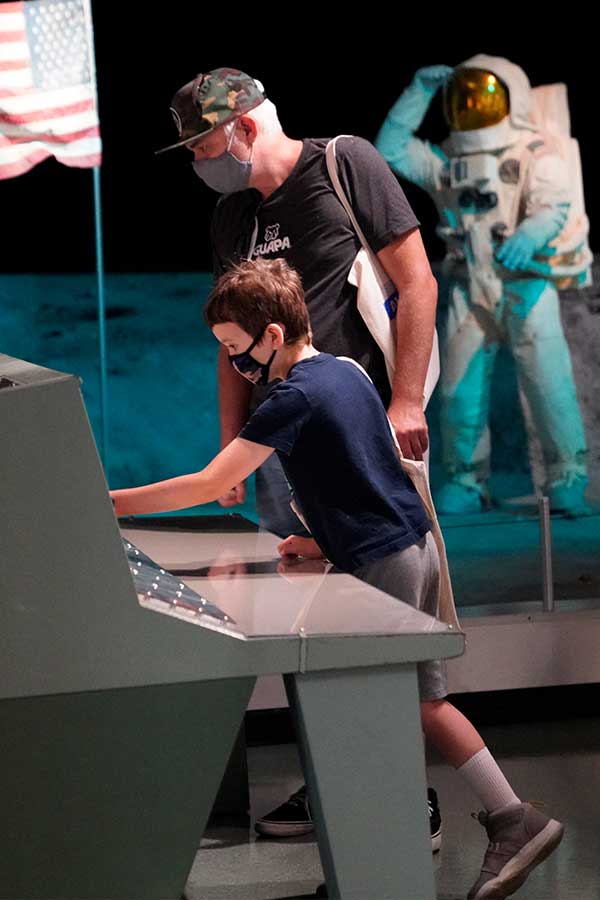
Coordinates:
<point>226,173</point>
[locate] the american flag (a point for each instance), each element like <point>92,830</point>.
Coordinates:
<point>47,85</point>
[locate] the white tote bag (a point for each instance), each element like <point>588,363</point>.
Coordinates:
<point>377,296</point>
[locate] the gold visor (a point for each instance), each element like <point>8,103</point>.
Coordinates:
<point>474,98</point>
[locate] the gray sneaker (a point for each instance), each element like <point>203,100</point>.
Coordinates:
<point>520,838</point>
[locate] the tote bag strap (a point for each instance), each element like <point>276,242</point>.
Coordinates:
<point>332,168</point>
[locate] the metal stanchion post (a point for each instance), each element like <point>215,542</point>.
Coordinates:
<point>546,553</point>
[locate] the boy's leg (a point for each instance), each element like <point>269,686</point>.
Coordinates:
<point>520,836</point>
<point>412,575</point>
<point>401,569</point>
<point>459,742</point>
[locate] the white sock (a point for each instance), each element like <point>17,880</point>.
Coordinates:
<point>484,776</point>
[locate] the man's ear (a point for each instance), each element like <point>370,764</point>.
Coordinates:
<point>249,128</point>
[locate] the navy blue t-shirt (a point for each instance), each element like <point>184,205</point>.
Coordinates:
<point>330,430</point>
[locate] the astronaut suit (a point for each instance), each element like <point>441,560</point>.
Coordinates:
<point>502,190</point>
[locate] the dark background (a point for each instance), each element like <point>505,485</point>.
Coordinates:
<point>325,79</point>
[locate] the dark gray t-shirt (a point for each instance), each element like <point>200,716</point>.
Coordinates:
<point>304,222</point>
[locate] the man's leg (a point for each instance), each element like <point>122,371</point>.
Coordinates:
<point>273,500</point>
<point>276,515</point>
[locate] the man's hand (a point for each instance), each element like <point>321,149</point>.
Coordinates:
<point>410,426</point>
<point>236,495</point>
<point>300,546</point>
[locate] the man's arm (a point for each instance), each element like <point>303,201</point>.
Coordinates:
<point>234,399</point>
<point>406,263</point>
<point>230,467</point>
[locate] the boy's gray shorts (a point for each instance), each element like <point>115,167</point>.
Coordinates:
<point>413,575</point>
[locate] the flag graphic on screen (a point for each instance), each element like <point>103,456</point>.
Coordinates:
<point>47,85</point>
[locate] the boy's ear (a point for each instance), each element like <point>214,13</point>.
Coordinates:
<point>277,333</point>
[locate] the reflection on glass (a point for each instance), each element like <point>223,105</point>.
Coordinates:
<point>158,588</point>
<point>265,595</point>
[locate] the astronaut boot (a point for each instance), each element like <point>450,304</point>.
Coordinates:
<point>567,495</point>
<point>457,498</point>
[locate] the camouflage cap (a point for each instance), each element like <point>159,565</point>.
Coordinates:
<point>211,100</point>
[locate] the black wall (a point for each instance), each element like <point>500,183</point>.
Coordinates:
<point>323,79</point>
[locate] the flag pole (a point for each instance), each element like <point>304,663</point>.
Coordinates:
<point>104,454</point>
<point>104,450</point>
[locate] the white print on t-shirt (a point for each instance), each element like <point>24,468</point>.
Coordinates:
<point>272,242</point>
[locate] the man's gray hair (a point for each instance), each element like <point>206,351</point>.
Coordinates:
<point>265,116</point>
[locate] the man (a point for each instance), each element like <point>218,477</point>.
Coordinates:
<point>513,233</point>
<point>278,201</point>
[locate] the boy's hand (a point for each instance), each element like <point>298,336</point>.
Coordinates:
<point>300,546</point>
<point>236,495</point>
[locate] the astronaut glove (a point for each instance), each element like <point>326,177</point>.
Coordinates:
<point>433,77</point>
<point>517,251</point>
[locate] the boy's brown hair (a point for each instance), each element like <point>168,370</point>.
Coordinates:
<point>256,293</point>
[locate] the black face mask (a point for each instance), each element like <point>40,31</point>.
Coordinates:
<point>250,368</point>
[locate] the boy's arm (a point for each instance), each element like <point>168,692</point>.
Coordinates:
<point>232,465</point>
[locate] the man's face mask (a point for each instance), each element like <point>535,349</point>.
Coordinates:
<point>225,173</point>
<point>250,368</point>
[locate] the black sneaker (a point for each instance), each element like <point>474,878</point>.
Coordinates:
<point>293,818</point>
<point>288,820</point>
<point>435,820</point>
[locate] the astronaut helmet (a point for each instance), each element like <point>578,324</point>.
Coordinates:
<point>475,98</point>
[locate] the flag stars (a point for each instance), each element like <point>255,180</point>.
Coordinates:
<point>59,45</point>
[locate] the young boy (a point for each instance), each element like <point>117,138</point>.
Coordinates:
<point>330,430</point>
